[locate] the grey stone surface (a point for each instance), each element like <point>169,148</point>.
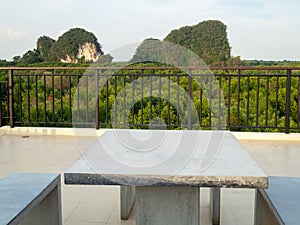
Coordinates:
<point>167,158</point>
<point>167,205</point>
<point>215,202</point>
<point>279,204</point>
<point>30,199</point>
<point>127,200</point>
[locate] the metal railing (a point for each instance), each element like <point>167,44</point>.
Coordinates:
<point>4,103</point>
<point>241,98</point>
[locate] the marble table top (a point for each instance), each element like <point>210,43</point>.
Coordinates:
<point>167,158</point>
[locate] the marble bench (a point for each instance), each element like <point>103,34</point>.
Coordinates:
<point>30,199</point>
<point>280,203</point>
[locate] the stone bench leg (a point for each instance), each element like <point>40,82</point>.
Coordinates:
<point>47,211</point>
<point>167,205</point>
<point>264,213</point>
<point>215,205</point>
<point>127,200</point>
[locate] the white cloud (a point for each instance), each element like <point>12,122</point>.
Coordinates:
<point>14,34</point>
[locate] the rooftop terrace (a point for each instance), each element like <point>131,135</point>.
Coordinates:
<point>46,150</point>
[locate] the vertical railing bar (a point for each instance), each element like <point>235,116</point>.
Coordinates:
<point>151,96</point>
<point>177,100</point>
<point>11,99</point>
<point>210,100</point>
<point>52,79</point>
<point>78,100</point>
<point>7,98</point>
<point>70,98</point>
<point>159,98</point>
<point>288,101</point>
<point>124,100</point>
<point>267,101</point>
<point>169,99</point>
<point>132,99</point>
<point>60,97</point>
<point>239,98</point>
<point>114,120</point>
<point>36,99</point>
<point>97,99</point>
<point>87,98</point>
<point>189,98</point>
<point>1,104</point>
<point>106,97</point>
<point>20,99</point>
<point>201,101</point>
<point>142,98</point>
<point>257,99</point>
<point>28,97</point>
<point>276,104</point>
<point>229,101</point>
<point>45,97</point>
<point>219,102</point>
<point>248,100</point>
<point>298,119</point>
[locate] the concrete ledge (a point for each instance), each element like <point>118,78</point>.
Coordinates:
<point>93,132</point>
<point>51,131</point>
<point>267,136</point>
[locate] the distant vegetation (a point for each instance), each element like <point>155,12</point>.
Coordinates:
<point>50,51</point>
<point>69,42</point>
<point>207,39</point>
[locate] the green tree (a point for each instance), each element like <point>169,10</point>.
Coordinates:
<point>44,44</point>
<point>30,57</point>
<point>207,39</point>
<point>69,43</point>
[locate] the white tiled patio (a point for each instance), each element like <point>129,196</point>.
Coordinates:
<point>27,151</point>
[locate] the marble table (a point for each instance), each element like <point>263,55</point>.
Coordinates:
<point>163,170</point>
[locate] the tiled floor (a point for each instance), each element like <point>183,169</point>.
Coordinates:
<point>91,205</point>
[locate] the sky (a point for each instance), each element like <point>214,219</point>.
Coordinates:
<point>264,30</point>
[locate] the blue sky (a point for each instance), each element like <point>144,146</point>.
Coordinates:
<point>256,29</point>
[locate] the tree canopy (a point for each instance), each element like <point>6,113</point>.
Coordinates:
<point>207,39</point>
<point>44,44</point>
<point>51,51</point>
<point>69,43</point>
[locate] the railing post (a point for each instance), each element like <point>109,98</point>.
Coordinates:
<point>97,99</point>
<point>0,104</point>
<point>11,98</point>
<point>189,99</point>
<point>288,101</point>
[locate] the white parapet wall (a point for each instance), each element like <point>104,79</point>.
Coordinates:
<point>93,132</point>
<point>51,131</point>
<point>266,136</point>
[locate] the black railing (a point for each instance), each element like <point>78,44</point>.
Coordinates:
<point>4,103</point>
<point>247,99</point>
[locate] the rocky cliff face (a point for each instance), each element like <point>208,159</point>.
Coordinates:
<point>86,50</point>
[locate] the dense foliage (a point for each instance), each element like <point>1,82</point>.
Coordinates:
<point>69,43</point>
<point>157,98</point>
<point>51,51</point>
<point>44,44</point>
<point>154,97</point>
<point>207,39</point>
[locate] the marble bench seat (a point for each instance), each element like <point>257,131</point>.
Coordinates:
<point>30,199</point>
<point>280,203</point>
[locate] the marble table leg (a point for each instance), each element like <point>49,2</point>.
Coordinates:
<point>167,205</point>
<point>215,205</point>
<point>127,197</point>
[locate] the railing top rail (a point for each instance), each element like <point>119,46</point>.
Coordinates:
<point>149,68</point>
